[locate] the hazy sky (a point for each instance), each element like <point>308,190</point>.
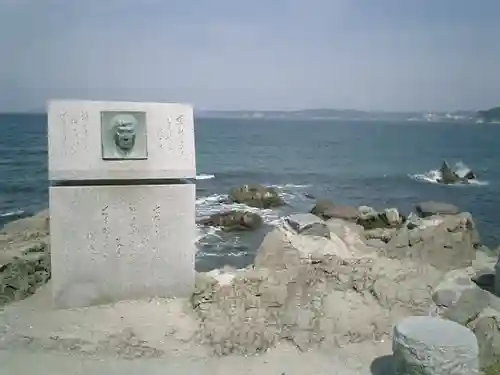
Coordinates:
<point>267,54</point>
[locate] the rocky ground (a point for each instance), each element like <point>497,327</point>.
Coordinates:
<point>324,293</point>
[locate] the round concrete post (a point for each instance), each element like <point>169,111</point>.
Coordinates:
<point>425,345</point>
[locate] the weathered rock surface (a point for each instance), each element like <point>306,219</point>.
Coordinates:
<point>370,219</point>
<point>313,283</point>
<point>308,224</point>
<point>233,221</point>
<point>426,345</point>
<point>312,291</point>
<point>445,242</point>
<point>326,209</point>
<point>449,176</point>
<point>256,196</point>
<point>24,257</point>
<point>430,208</point>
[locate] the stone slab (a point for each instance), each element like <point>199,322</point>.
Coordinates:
<point>425,345</point>
<point>75,137</point>
<point>111,243</point>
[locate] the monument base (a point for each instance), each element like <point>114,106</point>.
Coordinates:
<point>110,243</point>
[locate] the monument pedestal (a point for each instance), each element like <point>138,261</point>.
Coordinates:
<point>121,242</point>
<point>122,216</point>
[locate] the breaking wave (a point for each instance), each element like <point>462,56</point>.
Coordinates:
<point>203,176</point>
<point>434,175</point>
<point>212,241</point>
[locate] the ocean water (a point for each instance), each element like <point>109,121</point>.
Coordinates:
<point>351,162</point>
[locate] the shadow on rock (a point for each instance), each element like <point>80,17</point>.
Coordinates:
<point>382,365</point>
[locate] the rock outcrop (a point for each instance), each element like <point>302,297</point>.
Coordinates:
<point>24,257</point>
<point>326,209</point>
<point>449,176</point>
<point>256,196</point>
<point>233,221</point>
<point>315,282</point>
<point>311,290</point>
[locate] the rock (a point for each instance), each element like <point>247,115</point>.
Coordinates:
<point>242,317</point>
<point>326,209</point>
<point>308,224</point>
<point>28,228</point>
<point>309,303</point>
<point>367,213</point>
<point>452,286</point>
<point>309,196</point>
<point>468,307</point>
<point>392,217</point>
<point>24,257</point>
<point>448,176</point>
<point>233,221</point>
<point>285,245</point>
<point>424,345</point>
<point>24,275</point>
<point>496,288</point>
<point>446,246</point>
<point>349,232</point>
<point>430,208</point>
<point>382,234</point>
<point>404,285</point>
<point>369,218</point>
<point>470,175</point>
<point>487,331</point>
<point>322,208</point>
<point>256,196</point>
<point>485,279</point>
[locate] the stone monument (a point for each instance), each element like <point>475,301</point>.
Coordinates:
<point>122,207</point>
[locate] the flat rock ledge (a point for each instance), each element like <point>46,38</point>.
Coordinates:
<point>425,345</point>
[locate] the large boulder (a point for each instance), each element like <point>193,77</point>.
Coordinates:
<point>445,242</point>
<point>370,219</point>
<point>461,175</point>
<point>326,209</point>
<point>256,196</point>
<point>464,296</point>
<point>448,176</point>
<point>312,291</point>
<point>308,224</point>
<point>430,208</point>
<point>233,221</point>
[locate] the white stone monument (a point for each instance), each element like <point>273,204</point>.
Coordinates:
<point>122,214</point>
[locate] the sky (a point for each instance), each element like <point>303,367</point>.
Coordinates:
<point>394,55</point>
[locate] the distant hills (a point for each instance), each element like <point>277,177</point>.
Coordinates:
<point>489,115</point>
<point>338,114</point>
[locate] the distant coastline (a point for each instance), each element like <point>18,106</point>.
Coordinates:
<point>348,115</point>
<point>465,116</point>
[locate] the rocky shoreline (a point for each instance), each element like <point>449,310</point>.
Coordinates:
<point>324,280</point>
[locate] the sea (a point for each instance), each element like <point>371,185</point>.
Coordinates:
<point>375,163</point>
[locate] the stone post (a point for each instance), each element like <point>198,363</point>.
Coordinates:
<point>425,345</point>
<point>122,214</point>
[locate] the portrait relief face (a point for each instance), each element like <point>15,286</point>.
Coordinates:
<point>123,135</point>
<point>125,132</point>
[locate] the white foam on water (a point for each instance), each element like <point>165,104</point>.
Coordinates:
<point>289,186</point>
<point>203,176</point>
<point>12,213</point>
<point>434,175</point>
<point>215,239</point>
<point>216,203</point>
